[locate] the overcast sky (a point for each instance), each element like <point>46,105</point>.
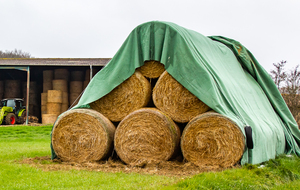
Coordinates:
<point>270,29</point>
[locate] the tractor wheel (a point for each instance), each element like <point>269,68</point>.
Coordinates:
<point>10,119</point>
<point>22,118</point>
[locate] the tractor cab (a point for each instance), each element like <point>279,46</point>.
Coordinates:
<point>12,111</point>
<point>15,103</point>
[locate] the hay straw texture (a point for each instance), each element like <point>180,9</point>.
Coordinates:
<point>61,85</point>
<point>47,86</point>
<point>61,74</point>
<point>76,86</point>
<point>47,76</point>
<point>132,94</point>
<point>82,135</point>
<point>212,140</point>
<point>53,108</point>
<point>54,96</point>
<point>44,98</point>
<point>175,100</point>
<point>49,118</point>
<point>146,134</point>
<point>151,69</point>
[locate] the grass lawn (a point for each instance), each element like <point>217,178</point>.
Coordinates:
<point>20,142</point>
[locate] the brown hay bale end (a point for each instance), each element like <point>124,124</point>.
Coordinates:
<point>61,85</point>
<point>175,100</point>
<point>61,74</point>
<point>82,135</point>
<point>76,86</point>
<point>77,75</point>
<point>132,94</point>
<point>49,118</point>
<point>47,86</point>
<point>212,140</point>
<point>53,108</point>
<point>74,98</point>
<point>64,107</point>
<point>65,98</point>
<point>47,76</point>
<point>44,109</point>
<point>12,89</point>
<point>54,96</point>
<point>146,134</point>
<point>152,69</point>
<point>44,98</point>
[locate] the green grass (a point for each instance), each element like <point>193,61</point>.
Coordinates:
<point>20,142</point>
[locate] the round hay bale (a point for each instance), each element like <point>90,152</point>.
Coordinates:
<point>85,84</point>
<point>47,86</point>
<point>44,109</point>
<point>212,140</point>
<point>77,76</point>
<point>82,135</point>
<point>44,98</point>
<point>49,118</point>
<point>152,69</point>
<point>33,99</point>
<point>65,98</point>
<point>54,96</point>
<point>32,87</point>
<point>132,94</point>
<point>74,98</point>
<point>53,108</point>
<point>146,134</point>
<point>12,89</point>
<point>76,86</point>
<point>64,107</point>
<point>61,85</point>
<point>47,76</point>
<point>175,100</point>
<point>61,74</point>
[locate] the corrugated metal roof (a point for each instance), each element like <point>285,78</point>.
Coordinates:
<point>54,61</point>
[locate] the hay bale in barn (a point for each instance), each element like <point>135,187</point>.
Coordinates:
<point>132,94</point>
<point>47,86</point>
<point>145,135</point>
<point>61,74</point>
<point>77,75</point>
<point>175,100</point>
<point>44,109</point>
<point>65,98</point>
<point>49,118</point>
<point>212,140</point>
<point>152,69</point>
<point>82,135</point>
<point>60,84</point>
<point>76,86</point>
<point>54,96</point>
<point>53,108</point>
<point>47,76</point>
<point>44,98</point>
<point>12,89</point>
<point>85,84</point>
<point>64,107</point>
<point>74,98</point>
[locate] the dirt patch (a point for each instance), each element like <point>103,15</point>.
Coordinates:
<point>166,168</point>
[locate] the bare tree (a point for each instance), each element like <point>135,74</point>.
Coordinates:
<point>278,74</point>
<point>14,54</point>
<point>291,92</point>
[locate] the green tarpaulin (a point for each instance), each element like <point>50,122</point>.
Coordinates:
<point>219,71</point>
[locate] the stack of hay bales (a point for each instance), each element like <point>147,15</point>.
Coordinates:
<point>146,134</point>
<point>54,99</point>
<point>76,87</point>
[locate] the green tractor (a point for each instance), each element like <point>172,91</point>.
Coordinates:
<point>12,111</point>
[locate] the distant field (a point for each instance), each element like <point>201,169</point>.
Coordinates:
<point>23,142</point>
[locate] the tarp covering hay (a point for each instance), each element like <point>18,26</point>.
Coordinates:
<point>219,71</point>
<point>82,135</point>
<point>131,95</point>
<point>212,140</point>
<point>151,69</point>
<point>175,100</point>
<point>146,134</point>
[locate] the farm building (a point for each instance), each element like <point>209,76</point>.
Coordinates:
<point>70,75</point>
